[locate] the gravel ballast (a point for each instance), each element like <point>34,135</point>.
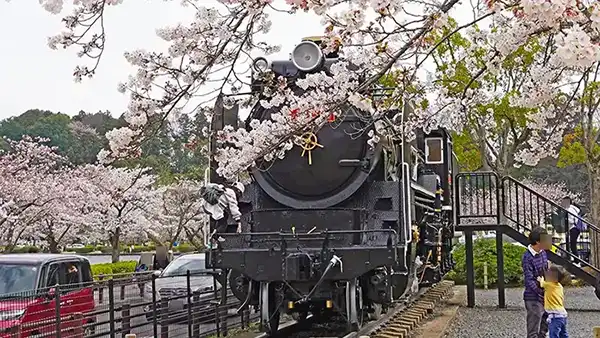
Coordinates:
<point>486,320</point>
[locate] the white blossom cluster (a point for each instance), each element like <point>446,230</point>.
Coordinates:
<point>378,36</point>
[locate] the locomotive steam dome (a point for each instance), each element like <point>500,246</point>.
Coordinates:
<point>323,170</point>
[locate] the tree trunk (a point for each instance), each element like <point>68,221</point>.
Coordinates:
<point>114,243</point>
<point>52,245</point>
<point>594,186</point>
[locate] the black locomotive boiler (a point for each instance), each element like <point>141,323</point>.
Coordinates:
<point>341,228</point>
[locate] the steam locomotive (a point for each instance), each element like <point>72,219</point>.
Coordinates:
<point>346,230</point>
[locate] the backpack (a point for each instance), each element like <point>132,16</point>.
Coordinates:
<point>212,193</point>
<point>580,225</point>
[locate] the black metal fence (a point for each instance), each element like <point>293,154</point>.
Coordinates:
<point>484,198</point>
<point>146,305</point>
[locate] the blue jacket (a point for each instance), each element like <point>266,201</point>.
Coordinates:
<point>534,266</point>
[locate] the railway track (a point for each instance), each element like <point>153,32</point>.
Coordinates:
<point>399,322</point>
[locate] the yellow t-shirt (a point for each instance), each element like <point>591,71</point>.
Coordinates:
<point>554,297</point>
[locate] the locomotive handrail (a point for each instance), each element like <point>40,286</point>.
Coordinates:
<point>314,235</point>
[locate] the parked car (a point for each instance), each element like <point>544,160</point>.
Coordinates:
<point>30,285</point>
<point>171,284</point>
<point>76,246</point>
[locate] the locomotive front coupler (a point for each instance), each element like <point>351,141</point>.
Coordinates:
<point>335,260</point>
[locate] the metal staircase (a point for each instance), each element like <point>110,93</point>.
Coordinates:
<point>485,202</point>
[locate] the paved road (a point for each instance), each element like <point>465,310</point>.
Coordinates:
<point>487,321</point>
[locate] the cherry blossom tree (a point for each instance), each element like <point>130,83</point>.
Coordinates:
<point>25,189</point>
<point>70,216</point>
<point>116,198</point>
<point>378,36</point>
<point>175,212</point>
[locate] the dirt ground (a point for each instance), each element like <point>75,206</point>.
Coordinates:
<point>439,322</point>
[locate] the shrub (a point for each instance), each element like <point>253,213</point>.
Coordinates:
<point>184,248</point>
<point>26,249</point>
<point>101,269</point>
<point>142,248</point>
<point>484,250</point>
<point>123,268</point>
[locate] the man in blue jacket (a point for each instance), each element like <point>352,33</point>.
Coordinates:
<point>535,263</point>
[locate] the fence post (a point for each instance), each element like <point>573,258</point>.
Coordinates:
<point>57,310</point>
<point>125,320</point>
<point>101,289</point>
<point>164,318</point>
<point>154,314</point>
<point>500,219</point>
<point>485,276</point>
<point>223,303</point>
<point>470,268</point>
<point>111,306</point>
<point>189,302</point>
<point>196,321</point>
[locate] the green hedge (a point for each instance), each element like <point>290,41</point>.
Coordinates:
<point>484,250</point>
<point>124,269</point>
<point>26,249</point>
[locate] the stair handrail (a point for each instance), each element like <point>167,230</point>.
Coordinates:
<point>552,203</point>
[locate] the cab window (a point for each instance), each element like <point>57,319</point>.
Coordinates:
<point>434,148</point>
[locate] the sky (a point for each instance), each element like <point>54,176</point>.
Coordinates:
<point>34,76</point>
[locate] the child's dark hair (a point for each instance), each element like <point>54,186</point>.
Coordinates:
<point>535,236</point>
<point>562,276</point>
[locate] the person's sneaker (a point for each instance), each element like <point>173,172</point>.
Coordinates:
<point>221,239</point>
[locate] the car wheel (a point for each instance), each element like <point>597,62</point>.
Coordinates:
<point>90,330</point>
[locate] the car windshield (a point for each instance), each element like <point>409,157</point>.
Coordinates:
<point>17,278</point>
<point>180,266</point>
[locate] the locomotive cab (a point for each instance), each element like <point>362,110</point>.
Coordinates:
<point>440,163</point>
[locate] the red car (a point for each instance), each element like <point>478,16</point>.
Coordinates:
<point>31,284</point>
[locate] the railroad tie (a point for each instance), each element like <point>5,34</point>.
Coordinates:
<point>400,324</point>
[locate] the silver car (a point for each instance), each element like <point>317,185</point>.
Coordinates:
<point>171,285</point>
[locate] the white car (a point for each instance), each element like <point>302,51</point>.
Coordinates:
<point>76,246</point>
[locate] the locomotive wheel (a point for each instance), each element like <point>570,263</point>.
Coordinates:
<point>354,304</point>
<point>269,309</point>
<point>377,310</point>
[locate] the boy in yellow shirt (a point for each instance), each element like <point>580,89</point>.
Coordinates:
<point>554,301</point>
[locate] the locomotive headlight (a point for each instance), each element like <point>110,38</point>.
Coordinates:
<point>307,56</point>
<point>260,65</point>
